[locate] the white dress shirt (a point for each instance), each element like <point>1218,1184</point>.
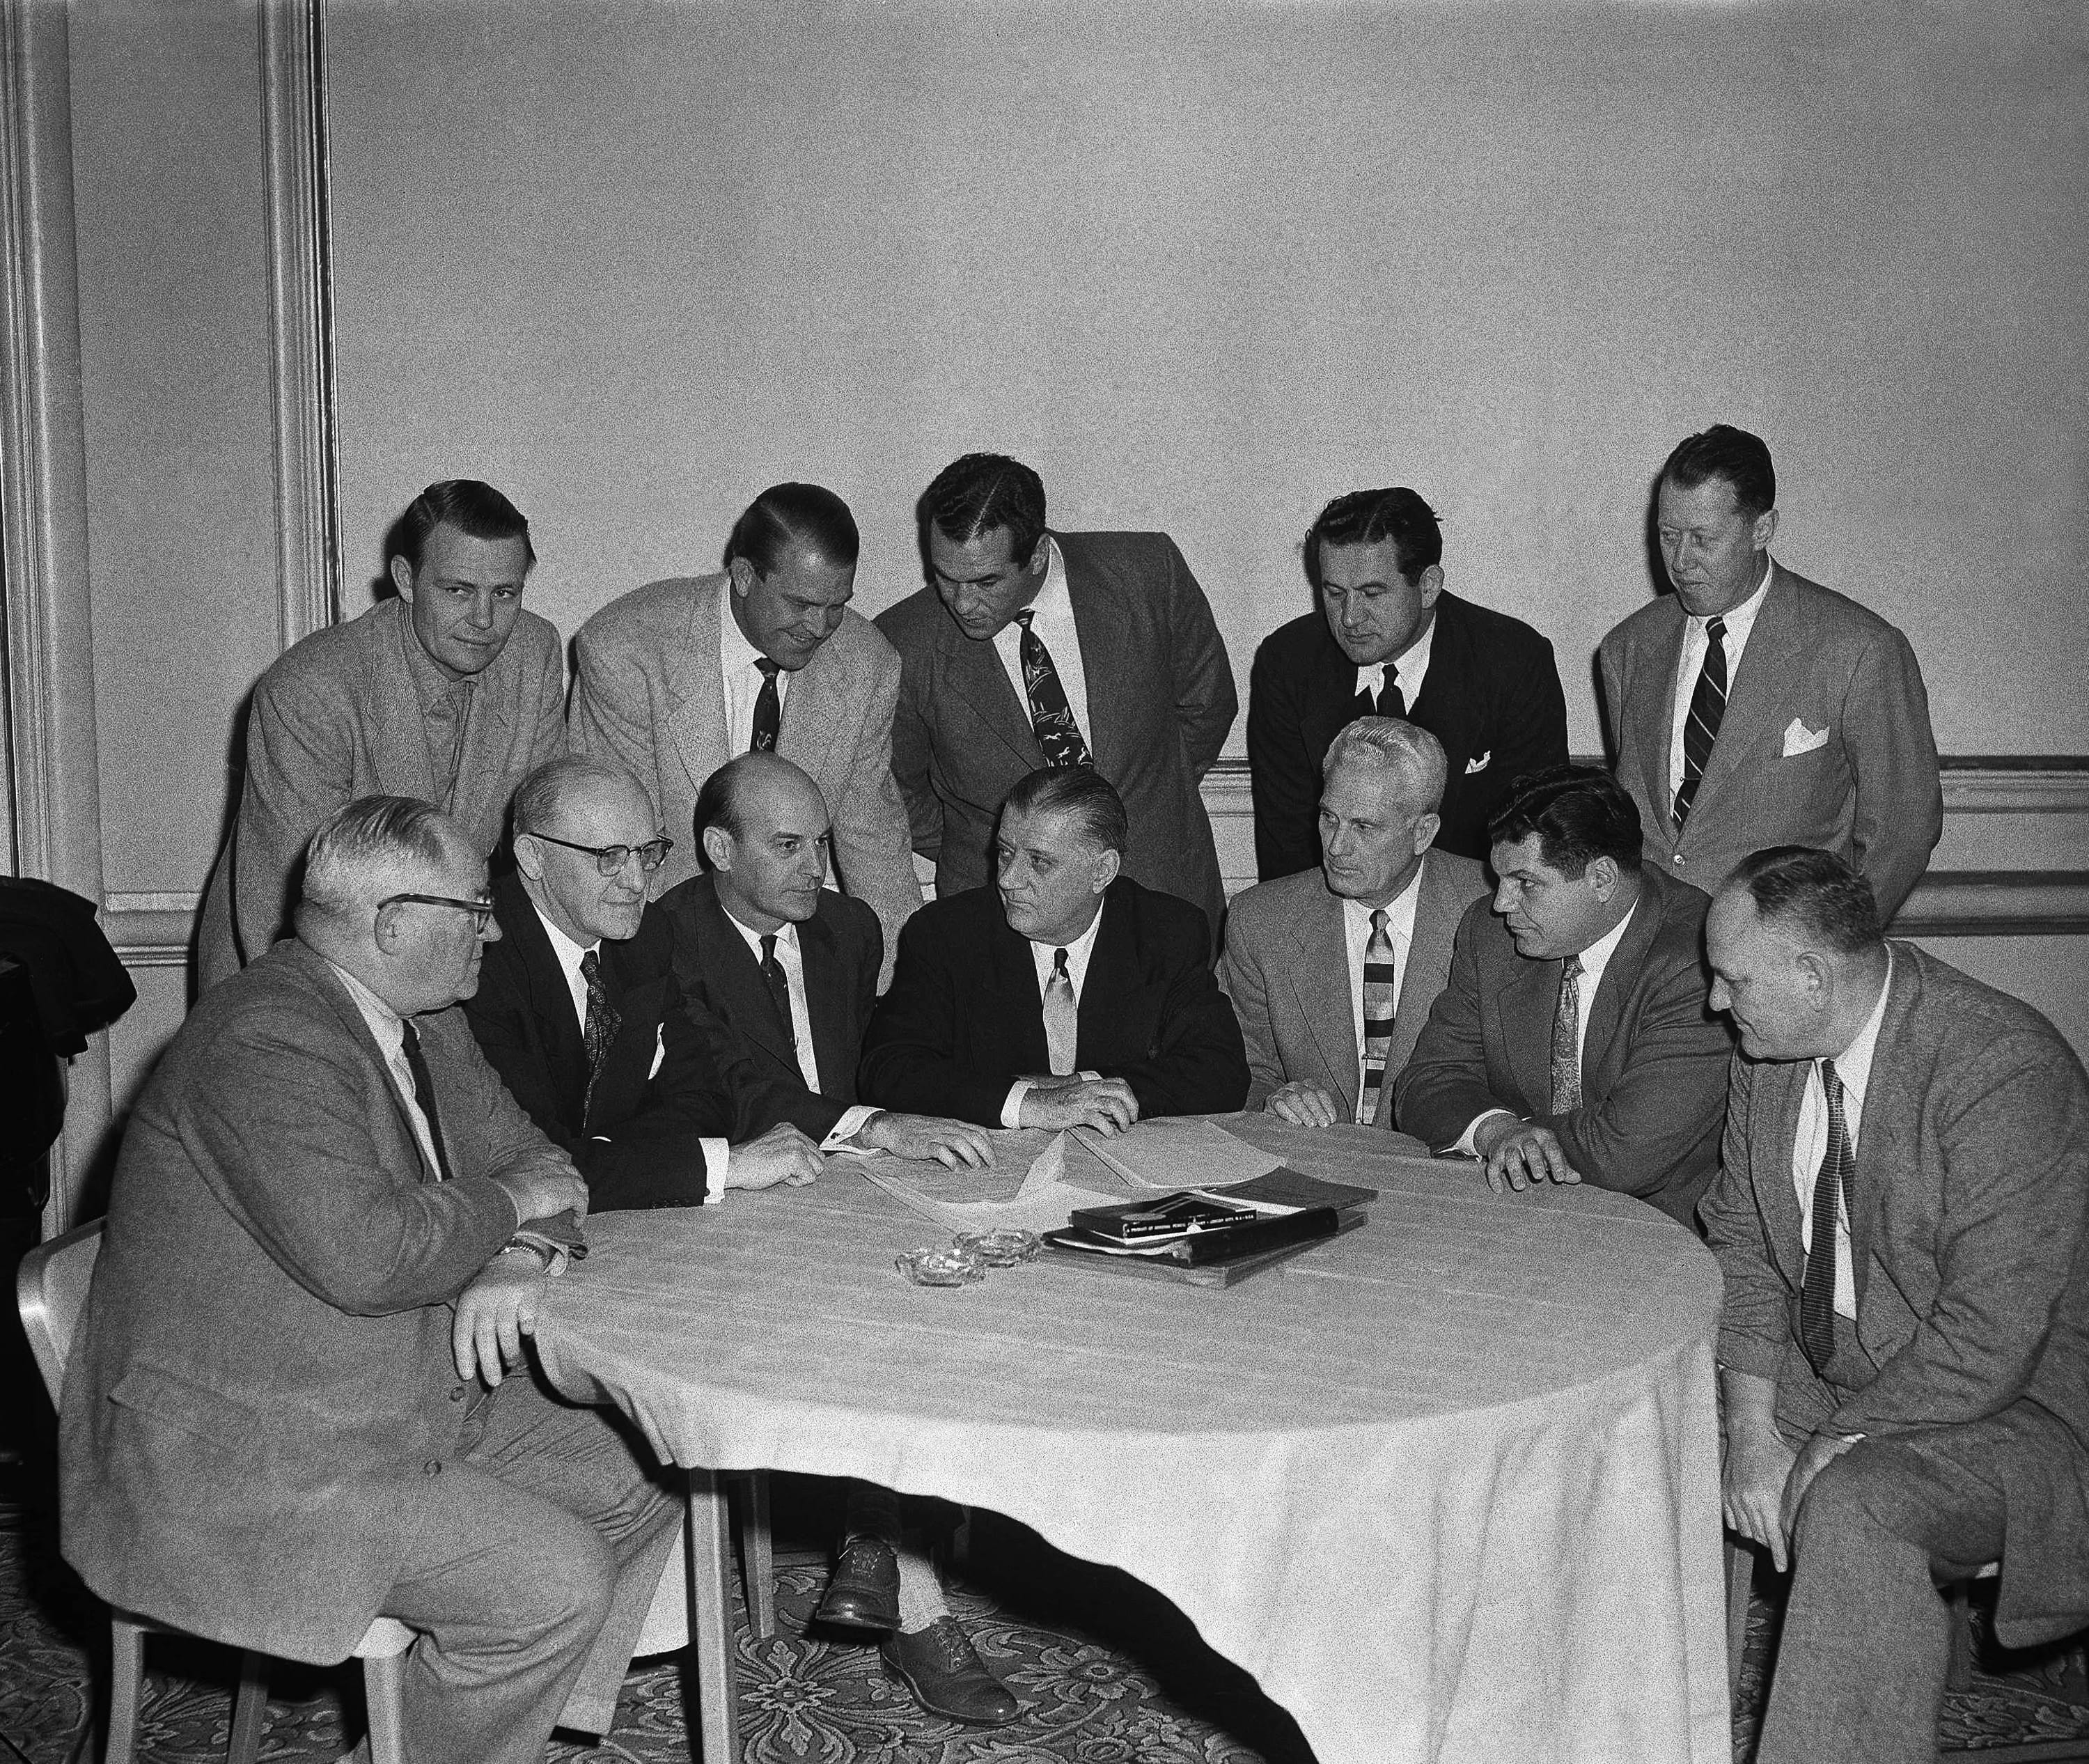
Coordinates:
<point>1357,929</point>
<point>791,958</point>
<point>1051,618</point>
<point>1809,1145</point>
<point>742,678</point>
<point>1411,665</point>
<point>1042,958</point>
<point>1740,621</point>
<point>388,1028</point>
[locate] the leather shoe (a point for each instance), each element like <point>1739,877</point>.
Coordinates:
<point>864,1591</point>
<point>944,1670</point>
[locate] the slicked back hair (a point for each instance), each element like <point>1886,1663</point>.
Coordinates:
<point>1723,451</point>
<point>1076,790</point>
<point>718,806</point>
<point>1814,892</point>
<point>1372,517</point>
<point>539,796</point>
<point>1394,744</point>
<point>975,495</point>
<point>475,509</point>
<point>785,515</point>
<point>1579,814</point>
<point>374,847</point>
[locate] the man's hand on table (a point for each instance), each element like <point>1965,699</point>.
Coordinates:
<point>1520,1153</point>
<point>1310,1105</point>
<point>951,1144</point>
<point>781,1155</point>
<point>1106,1105</point>
<point>545,1186</point>
<point>495,1312</point>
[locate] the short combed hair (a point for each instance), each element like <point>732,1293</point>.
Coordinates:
<point>1076,790</point>
<point>718,806</point>
<point>1723,451</point>
<point>1372,517</point>
<point>475,509</point>
<point>785,515</point>
<point>981,491</point>
<point>370,848</point>
<point>539,796</point>
<point>1579,813</point>
<point>1814,892</point>
<point>1393,745</point>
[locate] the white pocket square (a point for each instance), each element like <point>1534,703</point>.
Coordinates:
<point>1479,764</point>
<point>1799,739</point>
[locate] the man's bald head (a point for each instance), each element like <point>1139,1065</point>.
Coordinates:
<point>765,831</point>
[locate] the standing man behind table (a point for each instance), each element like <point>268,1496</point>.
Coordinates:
<point>449,694</point>
<point>289,1409</point>
<point>1034,648</point>
<point>1333,973</point>
<point>676,677</point>
<point>1756,708</point>
<point>1901,1219</point>
<point>1389,641</point>
<point>1572,1042</point>
<point>1066,995</point>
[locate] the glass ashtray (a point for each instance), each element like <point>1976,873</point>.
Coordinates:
<point>935,1266</point>
<point>1005,1247</point>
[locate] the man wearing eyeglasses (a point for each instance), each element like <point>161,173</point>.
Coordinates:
<point>579,1010</point>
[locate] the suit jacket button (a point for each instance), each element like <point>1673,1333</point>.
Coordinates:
<point>433,1467</point>
<point>1677,861</point>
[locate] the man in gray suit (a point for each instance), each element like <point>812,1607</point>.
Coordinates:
<point>676,677</point>
<point>1301,952</point>
<point>1033,648</point>
<point>1756,708</point>
<point>289,1408</point>
<point>1901,1218</point>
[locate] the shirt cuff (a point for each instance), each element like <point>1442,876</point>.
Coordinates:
<point>845,1130</point>
<point>1011,1108</point>
<point>718,1154</point>
<point>1465,1139</point>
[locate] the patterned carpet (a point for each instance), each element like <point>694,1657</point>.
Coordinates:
<point>1108,1673</point>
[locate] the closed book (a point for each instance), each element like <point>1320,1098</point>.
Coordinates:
<point>1161,1217</point>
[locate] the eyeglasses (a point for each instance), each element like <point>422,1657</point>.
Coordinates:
<point>610,858</point>
<point>481,911</point>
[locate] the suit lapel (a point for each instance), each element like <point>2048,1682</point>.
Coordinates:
<point>1321,989</point>
<point>971,673</point>
<point>1012,978</point>
<point>545,993</point>
<point>1881,1129</point>
<point>1108,656</point>
<point>1606,1010</point>
<point>1524,1009</point>
<point>393,705</point>
<point>1784,1086</point>
<point>1437,912</point>
<point>1444,707</point>
<point>327,983</point>
<point>1653,712</point>
<point>826,1006</point>
<point>1776,651</point>
<point>737,971</point>
<point>697,724</point>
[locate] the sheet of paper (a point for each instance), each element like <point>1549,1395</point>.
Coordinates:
<point>1177,1152</point>
<point>1040,1204</point>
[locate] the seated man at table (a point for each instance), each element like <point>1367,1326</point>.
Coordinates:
<point>1900,1220</point>
<point>1333,973</point>
<point>287,1410</point>
<point>1065,994</point>
<point>1572,1042</point>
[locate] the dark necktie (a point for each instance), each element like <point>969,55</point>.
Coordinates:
<point>768,709</point>
<point>424,1094</point>
<point>1708,704</point>
<point>778,984</point>
<point>1062,1018</point>
<point>1391,700</point>
<point>1831,1183</point>
<point>1381,994</point>
<point>1051,717</point>
<point>1567,1039</point>
<point>600,1029</point>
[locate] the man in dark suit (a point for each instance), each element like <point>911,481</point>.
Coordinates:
<point>1901,1218</point>
<point>287,1411</point>
<point>579,1011</point>
<point>1572,1042</point>
<point>1387,641</point>
<point>1066,995</point>
<point>1333,973</point>
<point>1033,648</point>
<point>1753,707</point>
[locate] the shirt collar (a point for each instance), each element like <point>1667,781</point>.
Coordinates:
<point>1597,957</point>
<point>1741,620</point>
<point>1410,663</point>
<point>564,947</point>
<point>1853,1065</point>
<point>786,933</point>
<point>385,1023</point>
<point>1081,945</point>
<point>1051,604</point>
<point>1399,911</point>
<point>734,651</point>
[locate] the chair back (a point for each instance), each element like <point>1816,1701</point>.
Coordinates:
<point>50,1290</point>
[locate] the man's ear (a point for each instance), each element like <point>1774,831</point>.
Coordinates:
<point>1764,530</point>
<point>1431,584</point>
<point>743,576</point>
<point>717,846</point>
<point>402,578</point>
<point>1814,974</point>
<point>1602,874</point>
<point>1426,829</point>
<point>1108,864</point>
<point>387,932</point>
<point>530,856</point>
<point>1040,555</point>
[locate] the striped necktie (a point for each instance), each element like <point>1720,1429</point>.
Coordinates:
<point>1708,704</point>
<point>1567,1039</point>
<point>1831,1185</point>
<point>1381,995</point>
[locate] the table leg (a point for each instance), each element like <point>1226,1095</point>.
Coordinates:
<point>710,1618</point>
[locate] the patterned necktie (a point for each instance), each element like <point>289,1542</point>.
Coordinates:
<point>1831,1183</point>
<point>778,984</point>
<point>600,1028</point>
<point>1381,993</point>
<point>1567,1039</point>
<point>1391,702</point>
<point>1051,717</point>
<point>1708,704</point>
<point>768,709</point>
<point>424,1094</point>
<point>1062,1018</point>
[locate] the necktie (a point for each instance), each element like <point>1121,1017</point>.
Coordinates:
<point>778,984</point>
<point>1817,1301</point>
<point>1381,994</point>
<point>1051,717</point>
<point>1391,702</point>
<point>1566,1038</point>
<point>1062,1018</point>
<point>1708,704</point>
<point>768,709</point>
<point>424,1094</point>
<point>600,1029</point>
